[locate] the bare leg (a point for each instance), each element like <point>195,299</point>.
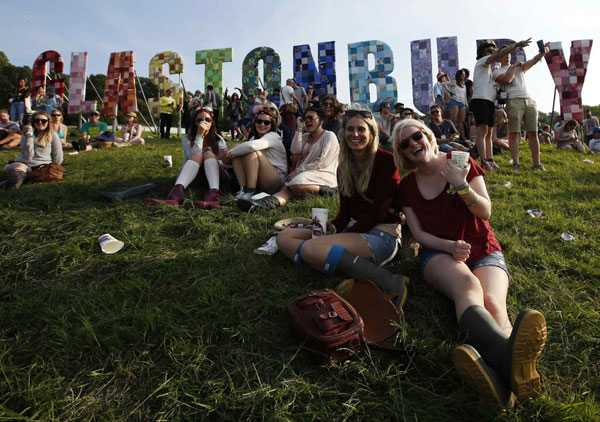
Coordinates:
<point>480,140</point>
<point>513,145</point>
<point>534,146</point>
<point>488,143</point>
<point>238,168</point>
<point>494,281</point>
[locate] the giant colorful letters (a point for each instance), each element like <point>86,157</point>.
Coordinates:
<point>569,79</point>
<point>120,85</point>
<point>38,72</point>
<point>158,78</point>
<point>271,70</point>
<point>78,76</point>
<point>306,73</point>
<point>213,61</point>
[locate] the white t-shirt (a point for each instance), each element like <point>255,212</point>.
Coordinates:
<point>483,83</point>
<point>517,88</point>
<point>460,92</point>
<point>286,95</point>
<point>384,123</point>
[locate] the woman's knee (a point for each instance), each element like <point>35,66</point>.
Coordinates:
<point>208,154</point>
<point>494,304</point>
<point>197,157</point>
<point>468,283</point>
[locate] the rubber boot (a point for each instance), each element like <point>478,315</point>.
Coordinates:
<point>514,358</point>
<point>363,269</point>
<point>212,199</point>
<point>15,178</point>
<point>137,190</point>
<point>175,197</point>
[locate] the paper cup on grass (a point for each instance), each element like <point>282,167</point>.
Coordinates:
<point>168,161</point>
<point>319,222</point>
<point>460,159</point>
<point>109,244</point>
<point>126,138</point>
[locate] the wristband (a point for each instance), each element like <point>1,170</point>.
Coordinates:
<point>463,189</point>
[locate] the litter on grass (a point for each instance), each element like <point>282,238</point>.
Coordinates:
<point>507,185</point>
<point>267,248</point>
<point>587,160</point>
<point>567,237</point>
<point>534,213</point>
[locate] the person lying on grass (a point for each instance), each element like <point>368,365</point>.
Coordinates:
<point>201,146</point>
<point>365,234</point>
<point>261,162</point>
<point>315,173</point>
<point>39,146</point>
<point>447,210</point>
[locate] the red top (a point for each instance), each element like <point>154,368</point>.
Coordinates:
<point>382,188</point>
<point>447,216</point>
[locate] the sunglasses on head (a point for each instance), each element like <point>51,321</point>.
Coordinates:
<point>417,136</point>
<point>200,108</point>
<point>40,120</point>
<point>204,119</point>
<point>272,109</point>
<point>262,122</point>
<point>364,113</point>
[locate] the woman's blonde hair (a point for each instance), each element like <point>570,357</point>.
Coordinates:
<point>501,116</point>
<point>42,137</point>
<point>401,161</point>
<point>351,179</point>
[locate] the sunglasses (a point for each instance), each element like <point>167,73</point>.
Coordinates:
<point>310,118</point>
<point>206,119</point>
<point>44,121</point>
<point>435,112</point>
<point>364,113</point>
<point>262,122</point>
<point>56,115</point>
<point>328,104</point>
<point>417,136</point>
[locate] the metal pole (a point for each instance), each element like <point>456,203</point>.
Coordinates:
<point>155,129</point>
<point>552,114</point>
<point>179,124</point>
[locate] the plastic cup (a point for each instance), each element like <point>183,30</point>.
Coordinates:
<point>460,159</point>
<point>109,244</point>
<point>168,161</point>
<point>127,135</point>
<point>319,222</point>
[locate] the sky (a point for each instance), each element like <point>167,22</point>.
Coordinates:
<point>187,26</point>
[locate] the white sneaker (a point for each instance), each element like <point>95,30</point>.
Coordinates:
<point>239,194</point>
<point>246,196</point>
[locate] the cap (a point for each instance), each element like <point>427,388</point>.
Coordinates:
<point>596,129</point>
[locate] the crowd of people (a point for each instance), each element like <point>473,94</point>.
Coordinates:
<point>294,143</point>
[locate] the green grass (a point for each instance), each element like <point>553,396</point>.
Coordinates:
<point>186,323</point>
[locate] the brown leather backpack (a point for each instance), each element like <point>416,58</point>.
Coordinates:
<point>46,173</point>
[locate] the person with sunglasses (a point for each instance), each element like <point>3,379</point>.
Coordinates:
<point>330,106</point>
<point>447,210</point>
<point>260,162</point>
<point>131,131</point>
<point>40,145</point>
<point>445,132</point>
<point>57,125</point>
<point>282,130</point>
<point>317,152</point>
<point>484,97</point>
<point>202,146</point>
<point>364,235</point>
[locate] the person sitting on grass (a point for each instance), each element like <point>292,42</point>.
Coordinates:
<point>260,162</point>
<point>595,141</point>
<point>60,128</point>
<point>500,134</point>
<point>315,173</point>
<point>447,210</point>
<point>445,132</point>
<point>9,131</point>
<point>89,130</point>
<point>202,146</point>
<point>39,146</point>
<point>365,234</point>
<point>131,131</point>
<point>565,137</point>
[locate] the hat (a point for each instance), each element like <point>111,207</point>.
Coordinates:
<point>596,129</point>
<point>131,114</point>
<point>440,74</point>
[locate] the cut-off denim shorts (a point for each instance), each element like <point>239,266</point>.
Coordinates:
<point>495,259</point>
<point>382,244</point>
<point>457,104</point>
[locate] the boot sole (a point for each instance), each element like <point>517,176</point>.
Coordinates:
<point>474,371</point>
<point>528,345</point>
<point>150,201</point>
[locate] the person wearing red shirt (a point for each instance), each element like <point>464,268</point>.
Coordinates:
<point>447,210</point>
<point>365,233</point>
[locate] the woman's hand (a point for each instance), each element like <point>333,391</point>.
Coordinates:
<point>299,123</point>
<point>461,250</point>
<point>226,157</point>
<point>330,228</point>
<point>203,128</point>
<point>454,175</point>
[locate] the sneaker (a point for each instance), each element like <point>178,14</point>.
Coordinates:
<point>247,196</point>
<point>539,167</point>
<point>268,203</point>
<point>327,191</point>
<point>239,194</point>
<point>516,167</point>
<point>486,165</point>
<point>494,164</point>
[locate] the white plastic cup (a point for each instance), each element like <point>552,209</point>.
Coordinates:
<point>460,159</point>
<point>319,222</point>
<point>127,135</point>
<point>168,161</point>
<point>109,244</point>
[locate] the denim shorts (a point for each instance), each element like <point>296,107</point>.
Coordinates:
<point>495,259</point>
<point>457,104</point>
<point>383,245</point>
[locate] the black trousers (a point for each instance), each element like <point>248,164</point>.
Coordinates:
<point>166,120</point>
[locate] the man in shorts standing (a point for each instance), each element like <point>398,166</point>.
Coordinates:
<point>521,109</point>
<point>484,96</point>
